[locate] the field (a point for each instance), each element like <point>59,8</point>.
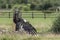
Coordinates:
<point>42,26</point>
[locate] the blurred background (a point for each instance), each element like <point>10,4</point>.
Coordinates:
<point>44,15</point>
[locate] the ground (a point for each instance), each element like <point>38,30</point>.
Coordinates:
<point>42,26</point>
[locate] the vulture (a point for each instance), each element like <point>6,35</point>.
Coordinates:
<point>26,26</point>
<point>22,24</point>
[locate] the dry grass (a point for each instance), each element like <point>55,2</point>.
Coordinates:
<point>18,36</point>
<point>29,37</point>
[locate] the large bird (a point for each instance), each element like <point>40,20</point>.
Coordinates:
<point>26,26</point>
<point>23,24</point>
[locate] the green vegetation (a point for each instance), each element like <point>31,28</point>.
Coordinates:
<point>33,4</point>
<point>42,25</point>
<point>56,26</point>
<point>37,21</point>
<point>34,13</point>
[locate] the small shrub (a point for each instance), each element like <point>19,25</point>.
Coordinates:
<point>26,8</point>
<point>56,26</point>
<point>37,7</point>
<point>3,6</point>
<point>9,6</point>
<point>32,7</point>
<point>45,6</point>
